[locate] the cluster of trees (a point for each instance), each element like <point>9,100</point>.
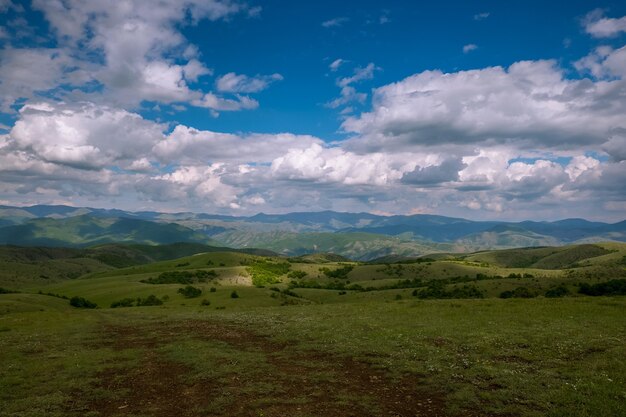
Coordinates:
<point>182,277</point>
<point>265,272</point>
<point>339,273</point>
<point>151,300</point>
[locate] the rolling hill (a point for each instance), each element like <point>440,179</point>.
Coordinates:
<point>360,236</point>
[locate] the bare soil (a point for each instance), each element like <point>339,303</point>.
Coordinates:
<point>160,387</point>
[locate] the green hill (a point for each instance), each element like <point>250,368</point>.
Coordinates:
<point>541,258</point>
<point>86,230</point>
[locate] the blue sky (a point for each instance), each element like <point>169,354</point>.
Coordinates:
<point>481,109</point>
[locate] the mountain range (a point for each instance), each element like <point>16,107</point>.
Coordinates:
<point>361,236</point>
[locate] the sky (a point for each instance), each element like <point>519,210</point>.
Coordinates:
<point>482,110</point>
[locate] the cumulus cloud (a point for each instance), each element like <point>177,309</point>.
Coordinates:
<point>319,164</point>
<point>233,83</point>
<point>599,26</point>
<point>616,147</point>
<point>604,62</point>
<point>218,103</point>
<point>434,175</point>
<point>83,135</point>
<point>528,105</point>
<point>197,182</point>
<point>360,74</point>
<point>130,59</point>
<point>25,72</point>
<point>193,146</point>
<point>348,91</point>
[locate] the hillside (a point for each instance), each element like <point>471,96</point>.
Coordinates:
<point>44,265</point>
<point>87,230</point>
<point>359,236</point>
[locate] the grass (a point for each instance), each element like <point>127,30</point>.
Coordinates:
<point>489,355</point>
<point>306,351</point>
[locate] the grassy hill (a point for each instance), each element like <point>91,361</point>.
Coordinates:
<point>543,258</point>
<point>21,266</point>
<point>228,333</point>
<point>87,230</point>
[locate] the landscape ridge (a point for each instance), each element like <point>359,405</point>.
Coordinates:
<point>358,236</point>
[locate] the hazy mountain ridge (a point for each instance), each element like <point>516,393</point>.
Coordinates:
<point>360,236</point>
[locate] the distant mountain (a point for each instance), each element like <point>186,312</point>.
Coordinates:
<point>356,235</point>
<point>87,230</point>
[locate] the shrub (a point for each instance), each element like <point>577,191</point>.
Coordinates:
<point>181,277</point>
<point>234,294</point>
<point>560,291</point>
<point>519,292</point>
<point>296,274</point>
<point>151,300</point>
<point>340,273</point>
<point>213,289</point>
<point>5,291</point>
<point>125,302</point>
<point>265,272</point>
<point>612,287</point>
<point>80,302</point>
<point>205,302</point>
<point>190,292</point>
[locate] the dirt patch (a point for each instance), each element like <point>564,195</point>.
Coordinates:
<point>297,382</point>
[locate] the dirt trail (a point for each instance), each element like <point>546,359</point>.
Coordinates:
<point>299,383</point>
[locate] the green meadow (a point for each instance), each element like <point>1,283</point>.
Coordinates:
<point>524,332</point>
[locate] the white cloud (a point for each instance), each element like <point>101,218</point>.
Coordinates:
<point>131,49</point>
<point>604,62</point>
<point>349,93</point>
<point>23,72</point>
<point>360,74</point>
<point>218,103</point>
<point>82,135</point>
<point>319,164</point>
<point>233,83</point>
<point>191,146</point>
<point>334,66</point>
<point>529,105</point>
<point>481,16</point>
<point>469,48</point>
<point>199,182</point>
<point>336,22</point>
<point>599,26</point>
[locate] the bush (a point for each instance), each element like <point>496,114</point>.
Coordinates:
<point>519,292</point>
<point>296,274</point>
<point>190,292</point>
<point>213,289</point>
<point>234,294</point>
<point>612,287</point>
<point>436,290</point>
<point>151,300</point>
<point>560,291</point>
<point>205,302</point>
<point>126,302</point>
<point>181,277</point>
<point>265,272</point>
<point>340,273</point>
<point>80,302</point>
<point>5,291</point>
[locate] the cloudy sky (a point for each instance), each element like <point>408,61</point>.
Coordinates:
<point>483,110</point>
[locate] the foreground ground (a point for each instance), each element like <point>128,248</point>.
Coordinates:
<point>526,357</point>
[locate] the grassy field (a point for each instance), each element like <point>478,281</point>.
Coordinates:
<point>239,349</point>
